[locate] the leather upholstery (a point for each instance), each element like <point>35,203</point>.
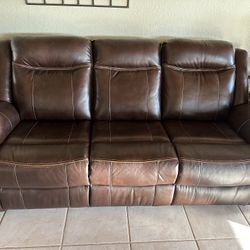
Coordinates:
<point>128,131</point>
<point>240,120</point>
<point>241,90</point>
<point>198,79</point>
<point>201,132</point>
<point>127,80</point>
<point>214,165</point>
<point>5,71</point>
<point>49,71</point>
<point>9,118</point>
<point>42,156</point>
<point>126,165</point>
<point>144,138</point>
<point>187,195</point>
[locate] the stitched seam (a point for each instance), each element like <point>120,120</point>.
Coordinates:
<point>109,95</point>
<point>220,130</point>
<point>32,96</point>
<point>137,187</point>
<point>216,161</point>
<point>199,90</point>
<point>176,68</point>
<point>42,164</point>
<point>132,162</point>
<point>110,135</point>
<point>242,125</point>
<point>245,174</point>
<point>26,136</point>
<point>199,174</point>
<point>72,95</point>
<point>7,118</point>
<point>18,185</point>
<point>182,95</point>
<point>149,130</point>
<point>67,183</point>
<point>71,132</point>
<point>110,182</point>
<point>218,107</point>
<point>52,68</point>
<point>148,88</point>
<point>126,69</point>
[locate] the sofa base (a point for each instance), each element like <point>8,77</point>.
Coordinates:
<point>188,195</point>
<point>132,196</point>
<point>44,198</point>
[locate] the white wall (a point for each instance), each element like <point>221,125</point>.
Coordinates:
<point>215,19</point>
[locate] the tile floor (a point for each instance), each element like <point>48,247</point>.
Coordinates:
<point>122,228</point>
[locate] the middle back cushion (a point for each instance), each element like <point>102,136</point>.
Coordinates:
<point>51,77</point>
<point>127,80</point>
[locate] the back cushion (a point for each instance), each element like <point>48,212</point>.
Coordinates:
<point>51,77</point>
<point>127,78</point>
<point>198,79</point>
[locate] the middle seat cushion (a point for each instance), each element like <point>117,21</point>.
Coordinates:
<point>132,154</point>
<point>201,132</point>
<point>127,79</point>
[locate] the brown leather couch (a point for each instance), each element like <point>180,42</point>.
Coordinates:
<point>122,122</point>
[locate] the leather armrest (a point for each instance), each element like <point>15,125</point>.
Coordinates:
<point>239,119</point>
<point>9,118</point>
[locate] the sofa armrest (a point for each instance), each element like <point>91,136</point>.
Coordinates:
<point>239,119</point>
<point>9,118</point>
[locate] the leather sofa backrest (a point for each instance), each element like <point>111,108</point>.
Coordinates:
<point>52,77</point>
<point>241,89</point>
<point>198,79</point>
<point>5,71</point>
<point>127,79</point>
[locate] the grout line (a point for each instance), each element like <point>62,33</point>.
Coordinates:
<point>64,226</point>
<point>129,233</point>
<point>244,216</point>
<point>4,212</point>
<point>196,242</point>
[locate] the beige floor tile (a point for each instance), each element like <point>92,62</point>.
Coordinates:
<point>158,224</point>
<point>32,228</point>
<point>99,247</point>
<point>181,245</point>
<point>96,225</point>
<point>228,244</point>
<point>217,222</point>
<point>246,211</point>
<point>33,248</point>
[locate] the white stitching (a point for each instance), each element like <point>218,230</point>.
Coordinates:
<point>148,89</point>
<point>7,119</point>
<point>109,95</point>
<point>52,68</point>
<point>26,136</point>
<point>18,185</point>
<point>32,96</point>
<point>72,95</point>
<point>67,183</point>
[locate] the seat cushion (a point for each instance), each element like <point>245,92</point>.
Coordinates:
<point>214,165</point>
<point>201,132</point>
<point>40,156</point>
<point>133,131</point>
<point>128,160</point>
